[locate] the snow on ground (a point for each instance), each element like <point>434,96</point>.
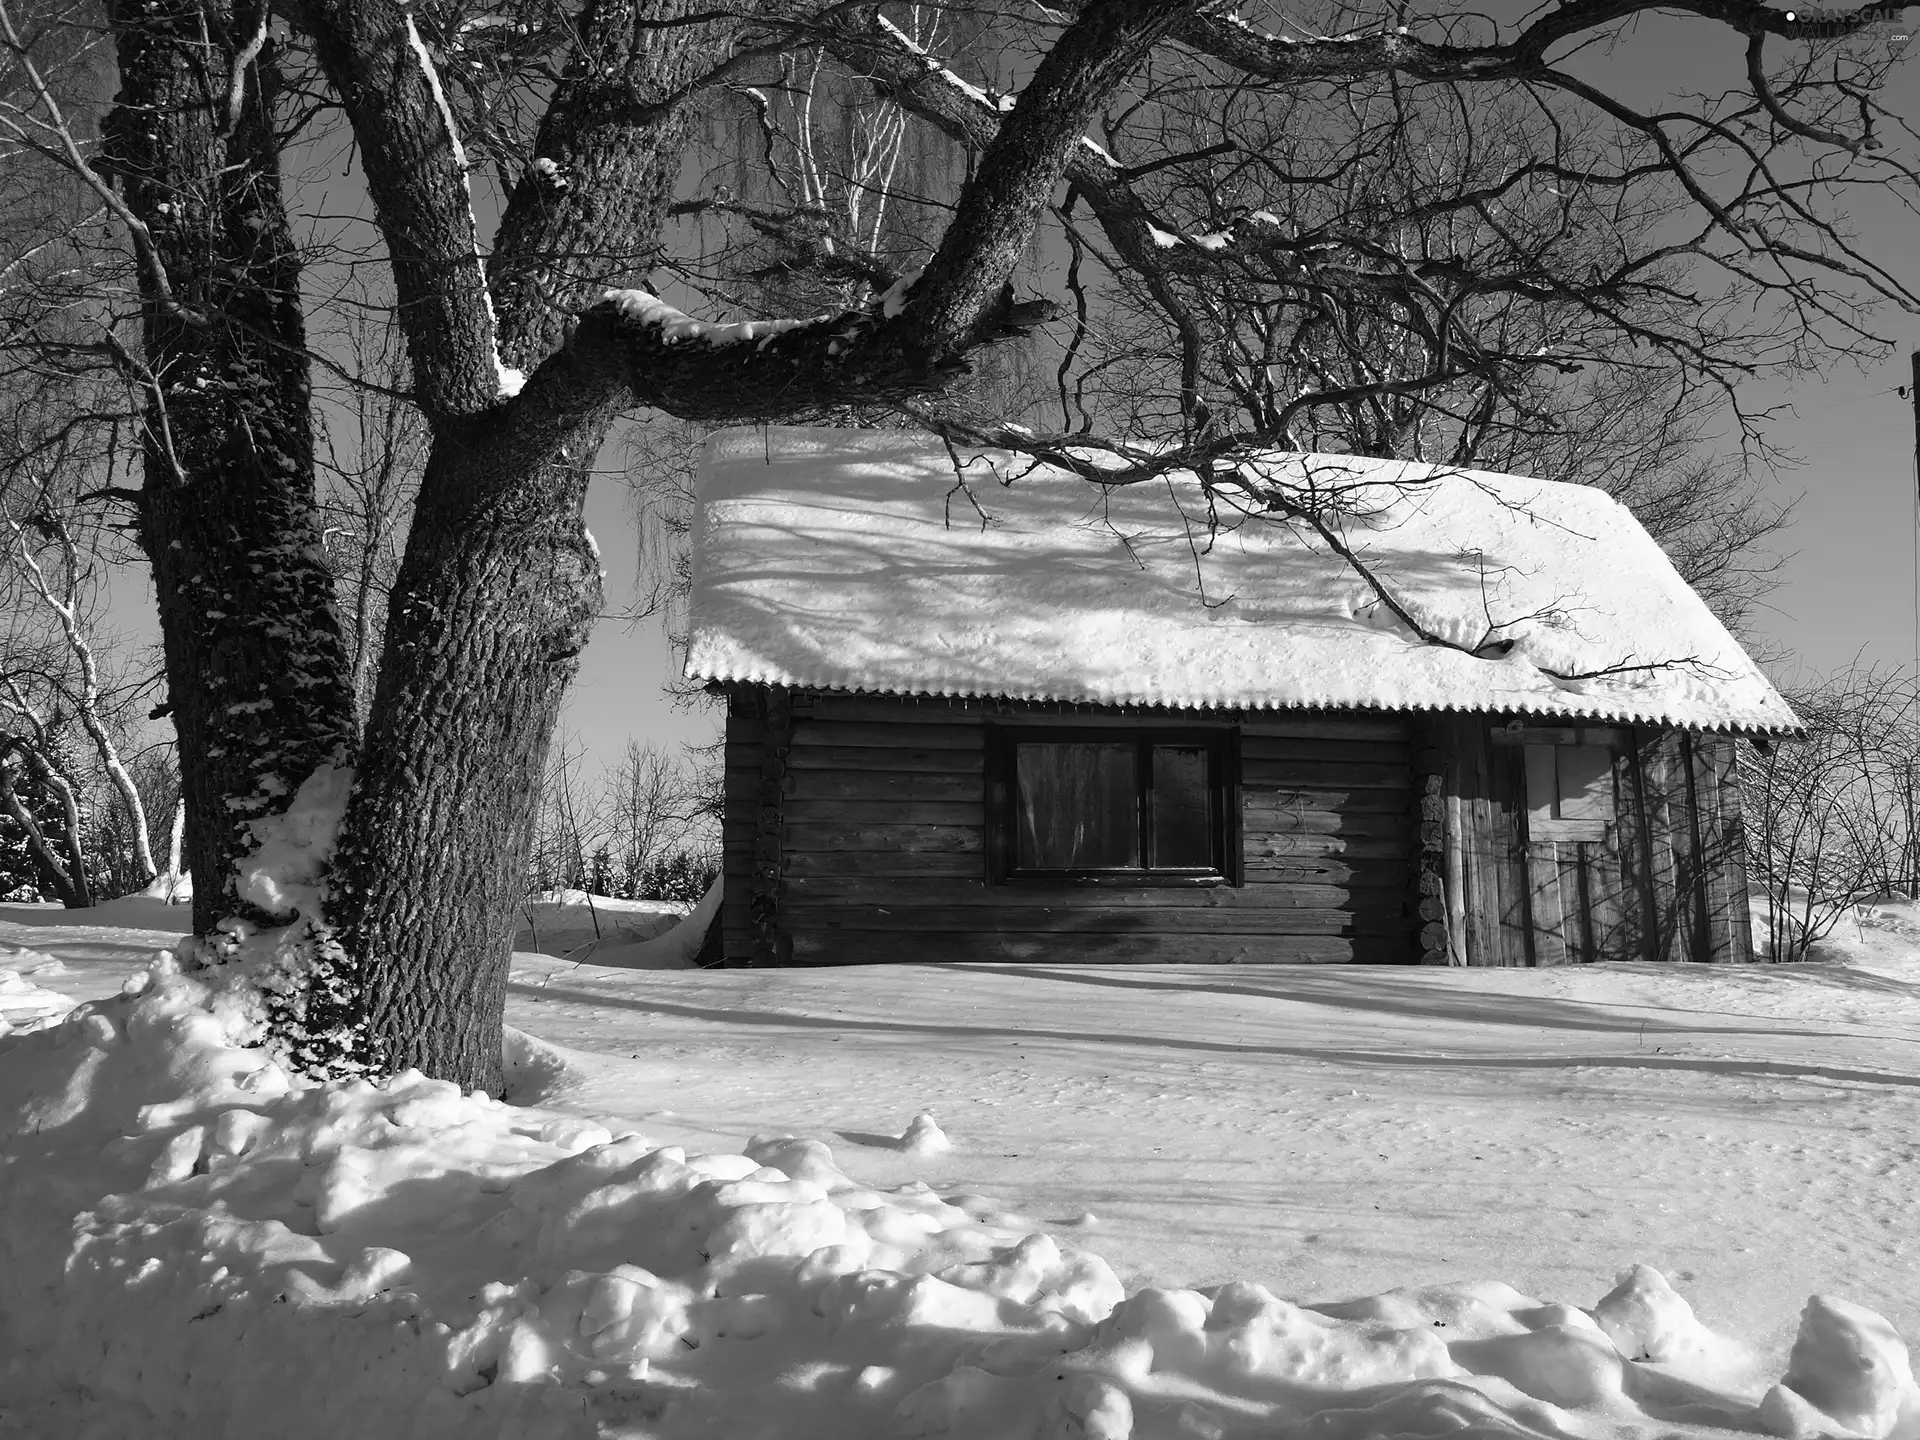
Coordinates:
<point>1363,1202</point>
<point>25,1003</point>
<point>576,926</point>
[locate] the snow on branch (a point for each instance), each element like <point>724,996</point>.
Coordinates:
<point>428,69</point>
<point>509,379</point>
<point>765,369</point>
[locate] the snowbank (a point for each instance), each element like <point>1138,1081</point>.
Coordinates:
<point>669,949</point>
<point>255,1254</point>
<point>170,888</point>
<point>25,1004</point>
<point>575,925</point>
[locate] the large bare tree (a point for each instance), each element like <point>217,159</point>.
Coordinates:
<point>1298,266</point>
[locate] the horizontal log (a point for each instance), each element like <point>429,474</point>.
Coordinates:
<point>1320,808</point>
<point>852,947</point>
<point>1384,892</point>
<point>808,836</point>
<point>1395,874</point>
<point>891,785</point>
<point>901,864</point>
<point>801,811</point>
<point>1259,773</point>
<point>1393,732</point>
<point>1345,752</point>
<point>1323,775</point>
<point>928,711</point>
<point>918,758</point>
<point>924,709</point>
<point>800,915</point>
<point>1290,847</point>
<point>1266,830</point>
<point>947,735</point>
<point>821,860</point>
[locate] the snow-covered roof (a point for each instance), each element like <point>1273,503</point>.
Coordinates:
<point>849,560</point>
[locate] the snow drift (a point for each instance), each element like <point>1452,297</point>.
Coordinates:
<point>197,1241</point>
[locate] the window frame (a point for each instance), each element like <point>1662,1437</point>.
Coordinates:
<point>1541,766</point>
<point>1222,747</point>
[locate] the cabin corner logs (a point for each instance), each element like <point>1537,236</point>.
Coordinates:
<point>856,830</point>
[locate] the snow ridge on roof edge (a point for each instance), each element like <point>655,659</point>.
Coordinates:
<point>1607,715</point>
<point>788,530</point>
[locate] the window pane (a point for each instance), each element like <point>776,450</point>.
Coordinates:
<point>1077,807</point>
<point>1182,808</point>
<point>1586,782</point>
<point>1543,793</point>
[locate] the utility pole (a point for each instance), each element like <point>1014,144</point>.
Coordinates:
<point>1912,878</point>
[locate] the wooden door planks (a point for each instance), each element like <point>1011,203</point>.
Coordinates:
<point>1726,921</point>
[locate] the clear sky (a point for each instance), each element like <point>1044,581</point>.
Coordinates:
<point>620,693</point>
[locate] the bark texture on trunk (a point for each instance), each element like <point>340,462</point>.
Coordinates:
<point>590,216</point>
<point>494,602</point>
<point>499,587</point>
<point>416,166</point>
<point>227,518</point>
<point>952,306</point>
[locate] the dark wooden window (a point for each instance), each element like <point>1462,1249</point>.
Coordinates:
<point>1569,792</point>
<point>1111,806</point>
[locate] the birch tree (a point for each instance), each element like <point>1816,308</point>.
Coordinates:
<point>52,573</point>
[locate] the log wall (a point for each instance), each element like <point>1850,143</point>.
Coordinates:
<point>856,831</point>
<point>881,810</point>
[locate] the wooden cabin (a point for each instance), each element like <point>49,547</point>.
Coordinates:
<point>974,720</point>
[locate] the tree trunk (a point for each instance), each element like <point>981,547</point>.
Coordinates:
<point>432,866</point>
<point>499,587</point>
<point>257,670</point>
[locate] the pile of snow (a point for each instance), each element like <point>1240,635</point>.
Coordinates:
<point>670,943</point>
<point>1849,1374</point>
<point>257,1254</point>
<point>170,887</point>
<point>632,934</point>
<point>25,1004</point>
<point>923,1136</point>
